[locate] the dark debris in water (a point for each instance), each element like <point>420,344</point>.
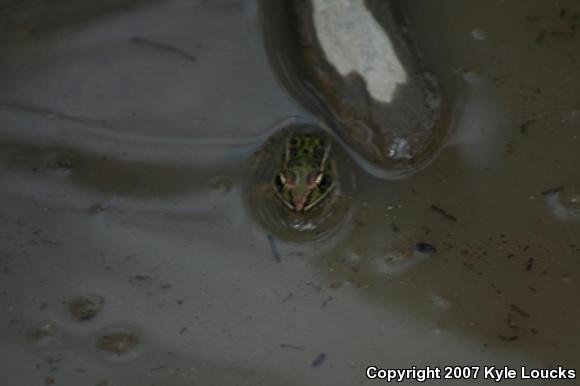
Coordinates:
<point>444,213</point>
<point>508,338</point>
<point>519,311</point>
<point>327,301</point>
<point>530,264</point>
<point>96,209</point>
<point>288,297</point>
<point>566,25</point>
<point>164,47</point>
<point>319,360</point>
<point>64,164</point>
<point>549,192</point>
<point>141,278</point>
<point>525,126</point>
<point>541,36</point>
<point>291,346</point>
<point>425,248</point>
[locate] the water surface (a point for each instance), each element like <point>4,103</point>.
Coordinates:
<point>125,128</point>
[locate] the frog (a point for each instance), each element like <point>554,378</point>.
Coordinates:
<point>305,178</point>
<point>298,184</point>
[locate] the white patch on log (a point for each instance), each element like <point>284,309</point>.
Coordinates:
<point>353,41</point>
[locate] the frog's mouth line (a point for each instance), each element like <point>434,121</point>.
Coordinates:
<point>300,202</point>
<point>324,197</point>
<point>299,206</point>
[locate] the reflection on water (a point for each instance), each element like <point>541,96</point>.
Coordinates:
<point>124,177</point>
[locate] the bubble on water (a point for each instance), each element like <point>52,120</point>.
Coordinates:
<point>45,335</point>
<point>439,330</point>
<point>478,34</point>
<point>570,198</point>
<point>86,308</point>
<point>567,279</point>
<point>440,302</point>
<point>472,77</point>
<point>221,183</point>
<point>352,257</point>
<point>564,204</point>
<point>396,262</point>
<point>119,343</point>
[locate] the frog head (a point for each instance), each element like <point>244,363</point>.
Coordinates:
<point>305,175</point>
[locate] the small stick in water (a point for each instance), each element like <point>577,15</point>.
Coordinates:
<point>552,191</point>
<point>444,213</point>
<point>291,346</point>
<point>319,360</point>
<point>164,47</point>
<point>274,249</point>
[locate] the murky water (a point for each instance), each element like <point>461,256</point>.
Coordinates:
<point>125,132</point>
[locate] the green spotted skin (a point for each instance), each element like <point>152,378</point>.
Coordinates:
<point>306,175</point>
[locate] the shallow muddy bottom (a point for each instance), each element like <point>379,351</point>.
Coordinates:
<point>125,128</point>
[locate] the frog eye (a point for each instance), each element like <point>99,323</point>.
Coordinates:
<point>286,179</point>
<point>279,181</point>
<point>295,141</point>
<point>323,181</point>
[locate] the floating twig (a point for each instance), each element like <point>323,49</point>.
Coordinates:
<point>288,297</point>
<point>524,126</point>
<point>274,249</point>
<point>508,338</point>
<point>444,213</point>
<point>519,311</point>
<point>164,47</point>
<point>530,264</point>
<point>552,191</point>
<point>319,360</point>
<point>290,346</point>
<point>326,301</point>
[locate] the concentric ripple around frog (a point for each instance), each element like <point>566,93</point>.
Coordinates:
<point>298,185</point>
